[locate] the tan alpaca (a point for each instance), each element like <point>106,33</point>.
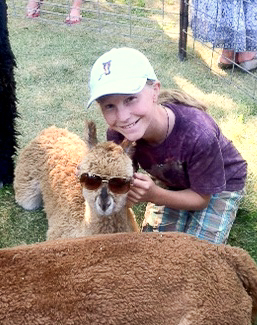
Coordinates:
<point>128,279</point>
<point>46,172</point>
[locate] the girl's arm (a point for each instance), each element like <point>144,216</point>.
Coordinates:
<point>145,190</point>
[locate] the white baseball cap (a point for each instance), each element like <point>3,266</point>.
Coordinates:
<point>119,71</point>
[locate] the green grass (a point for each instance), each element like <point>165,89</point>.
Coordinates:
<point>53,65</point>
<point>18,226</point>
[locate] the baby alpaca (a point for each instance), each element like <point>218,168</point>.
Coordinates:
<point>129,279</point>
<point>51,170</point>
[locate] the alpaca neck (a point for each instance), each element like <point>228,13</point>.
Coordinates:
<point>116,222</point>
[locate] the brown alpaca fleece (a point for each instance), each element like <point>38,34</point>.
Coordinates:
<point>128,278</point>
<point>47,173</point>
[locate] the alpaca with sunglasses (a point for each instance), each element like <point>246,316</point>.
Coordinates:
<point>83,186</point>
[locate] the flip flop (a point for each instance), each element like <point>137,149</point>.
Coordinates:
<point>71,20</point>
<point>230,65</point>
<point>33,13</point>
<point>250,64</point>
<point>225,66</point>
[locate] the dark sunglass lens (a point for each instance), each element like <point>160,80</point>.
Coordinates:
<point>90,182</point>
<point>119,185</point>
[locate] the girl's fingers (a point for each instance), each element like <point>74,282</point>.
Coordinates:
<point>141,186</point>
<point>142,182</point>
<point>141,176</point>
<point>134,196</point>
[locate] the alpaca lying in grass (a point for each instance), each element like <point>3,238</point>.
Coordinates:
<point>51,170</point>
<point>133,279</point>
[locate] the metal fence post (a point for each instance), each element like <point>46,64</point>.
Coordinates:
<point>183,29</point>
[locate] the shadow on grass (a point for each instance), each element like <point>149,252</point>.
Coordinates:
<point>244,232</point>
<point>17,226</point>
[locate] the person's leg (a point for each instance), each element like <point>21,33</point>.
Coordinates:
<point>214,223</point>
<point>247,60</point>
<point>74,17</point>
<point>246,56</point>
<point>33,8</point>
<point>227,59</point>
<point>250,12</point>
<point>227,56</point>
<point>161,219</point>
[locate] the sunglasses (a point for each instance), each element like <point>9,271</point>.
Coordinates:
<point>117,185</point>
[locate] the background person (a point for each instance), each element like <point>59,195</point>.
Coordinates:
<point>74,17</point>
<point>230,25</point>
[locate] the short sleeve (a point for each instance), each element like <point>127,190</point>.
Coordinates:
<point>206,166</point>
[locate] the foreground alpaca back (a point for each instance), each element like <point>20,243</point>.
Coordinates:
<point>48,172</point>
<point>130,279</point>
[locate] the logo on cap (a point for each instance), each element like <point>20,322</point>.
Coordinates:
<point>106,68</point>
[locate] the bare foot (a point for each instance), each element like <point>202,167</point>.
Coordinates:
<point>74,16</point>
<point>248,60</point>
<point>245,56</point>
<point>33,8</point>
<point>227,56</point>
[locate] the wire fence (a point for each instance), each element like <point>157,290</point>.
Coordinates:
<point>146,19</point>
<point>208,27</point>
<point>151,20</point>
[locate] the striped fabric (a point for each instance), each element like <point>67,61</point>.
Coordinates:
<point>213,223</point>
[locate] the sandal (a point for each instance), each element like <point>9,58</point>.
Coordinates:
<point>250,64</point>
<point>34,12</point>
<point>230,64</point>
<point>225,66</point>
<point>71,20</point>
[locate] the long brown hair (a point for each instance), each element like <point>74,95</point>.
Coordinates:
<point>179,97</point>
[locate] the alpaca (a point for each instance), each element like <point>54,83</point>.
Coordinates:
<point>128,278</point>
<point>8,112</point>
<point>51,170</point>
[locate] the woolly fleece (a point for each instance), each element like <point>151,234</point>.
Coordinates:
<point>45,174</point>
<point>148,278</point>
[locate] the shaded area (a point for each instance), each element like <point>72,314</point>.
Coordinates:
<point>244,232</point>
<point>17,226</point>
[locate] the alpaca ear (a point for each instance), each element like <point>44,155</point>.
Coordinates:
<point>128,147</point>
<point>91,136</point>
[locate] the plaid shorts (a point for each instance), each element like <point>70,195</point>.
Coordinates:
<point>213,223</point>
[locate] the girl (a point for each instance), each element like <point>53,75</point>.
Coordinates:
<point>177,143</point>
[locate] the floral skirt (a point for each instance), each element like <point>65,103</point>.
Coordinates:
<point>230,24</point>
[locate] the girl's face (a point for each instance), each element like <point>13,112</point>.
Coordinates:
<point>131,115</point>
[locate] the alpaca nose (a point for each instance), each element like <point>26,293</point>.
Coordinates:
<point>105,199</point>
<point>104,193</point>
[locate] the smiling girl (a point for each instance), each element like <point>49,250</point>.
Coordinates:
<point>177,142</point>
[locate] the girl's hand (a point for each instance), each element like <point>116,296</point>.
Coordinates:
<point>142,190</point>
<point>145,190</point>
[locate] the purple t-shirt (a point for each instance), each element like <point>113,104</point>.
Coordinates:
<point>195,155</point>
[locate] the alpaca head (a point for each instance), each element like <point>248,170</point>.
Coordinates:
<point>106,174</point>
